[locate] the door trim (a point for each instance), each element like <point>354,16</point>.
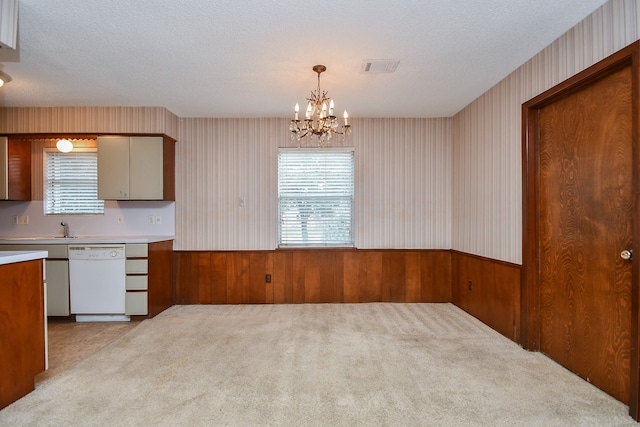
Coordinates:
<point>530,278</point>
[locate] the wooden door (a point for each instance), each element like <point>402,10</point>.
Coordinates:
<point>580,163</point>
<point>585,221</point>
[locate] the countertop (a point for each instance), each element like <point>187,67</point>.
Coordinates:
<point>48,240</point>
<point>10,257</point>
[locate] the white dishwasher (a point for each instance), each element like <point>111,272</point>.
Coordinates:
<point>97,283</point>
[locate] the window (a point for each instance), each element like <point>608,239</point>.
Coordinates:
<point>71,183</point>
<point>315,197</point>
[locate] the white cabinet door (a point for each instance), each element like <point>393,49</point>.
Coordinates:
<point>146,168</point>
<point>113,167</point>
<point>130,168</point>
<point>57,287</point>
<point>136,304</point>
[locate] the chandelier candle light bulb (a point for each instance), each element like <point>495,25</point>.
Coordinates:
<point>319,124</point>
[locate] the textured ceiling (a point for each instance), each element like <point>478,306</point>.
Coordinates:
<point>253,58</point>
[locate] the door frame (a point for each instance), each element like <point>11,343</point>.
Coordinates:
<point>530,277</point>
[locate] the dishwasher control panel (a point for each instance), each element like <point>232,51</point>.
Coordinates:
<point>101,252</point>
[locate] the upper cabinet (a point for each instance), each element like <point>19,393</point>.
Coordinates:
<point>136,168</point>
<point>15,169</point>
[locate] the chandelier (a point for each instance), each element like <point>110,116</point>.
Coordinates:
<point>319,123</point>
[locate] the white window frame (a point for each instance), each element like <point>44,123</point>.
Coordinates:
<point>287,216</point>
<point>86,209</point>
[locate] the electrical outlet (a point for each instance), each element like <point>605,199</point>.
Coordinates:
<point>151,219</point>
<point>470,285</point>
<point>120,219</point>
<point>267,278</point>
<point>158,219</point>
<point>21,219</point>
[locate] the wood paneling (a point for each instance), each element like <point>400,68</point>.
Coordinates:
<point>435,283</point>
<point>354,276</point>
<point>488,290</point>
<point>22,354</point>
<point>312,276</point>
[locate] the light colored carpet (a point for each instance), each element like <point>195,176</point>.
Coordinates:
<point>315,365</point>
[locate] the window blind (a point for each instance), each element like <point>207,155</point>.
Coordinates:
<point>71,184</point>
<point>315,197</point>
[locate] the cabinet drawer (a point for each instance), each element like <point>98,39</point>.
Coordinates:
<point>136,304</point>
<point>55,251</point>
<point>136,250</point>
<point>136,266</point>
<point>137,283</point>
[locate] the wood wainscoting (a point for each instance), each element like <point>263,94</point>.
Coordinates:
<point>312,276</point>
<point>485,288</point>
<point>488,290</point>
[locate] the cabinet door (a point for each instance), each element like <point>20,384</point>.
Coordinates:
<point>4,171</point>
<point>113,167</point>
<point>57,287</point>
<point>15,169</point>
<point>136,304</point>
<point>146,168</point>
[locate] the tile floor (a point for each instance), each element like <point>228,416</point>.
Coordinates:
<point>71,342</point>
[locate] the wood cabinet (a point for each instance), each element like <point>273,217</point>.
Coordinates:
<point>15,169</point>
<point>149,281</point>
<point>136,168</point>
<point>149,271</point>
<point>22,331</point>
<point>57,268</point>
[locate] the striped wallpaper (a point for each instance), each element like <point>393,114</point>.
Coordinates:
<point>487,181</point>
<point>402,183</point>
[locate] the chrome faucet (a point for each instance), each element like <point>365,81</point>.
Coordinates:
<point>66,228</point>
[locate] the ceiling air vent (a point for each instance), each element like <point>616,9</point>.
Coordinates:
<point>379,65</point>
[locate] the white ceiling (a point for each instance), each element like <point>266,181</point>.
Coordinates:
<point>253,58</point>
